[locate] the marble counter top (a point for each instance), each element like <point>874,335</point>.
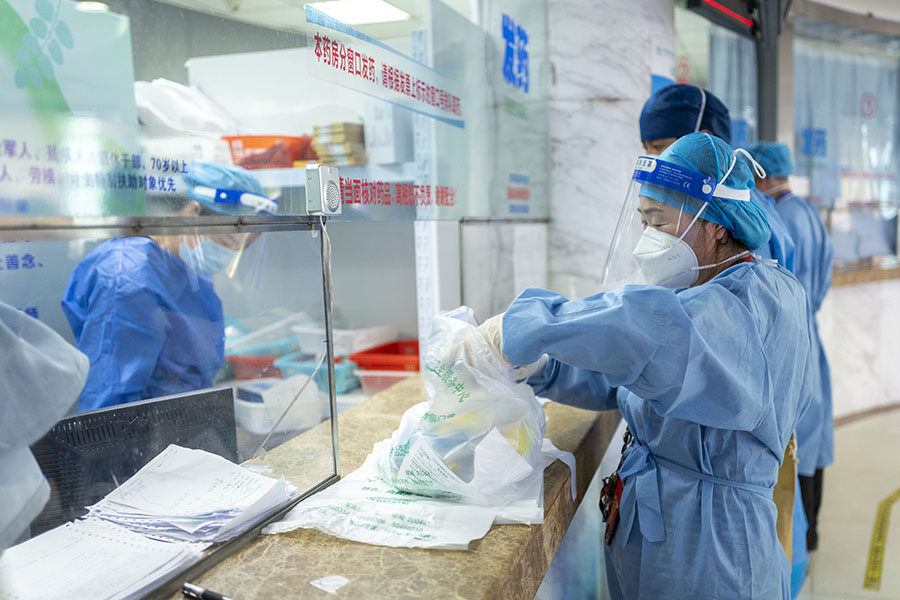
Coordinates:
<point>509,562</point>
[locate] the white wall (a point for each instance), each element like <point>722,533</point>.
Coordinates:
<point>499,260</point>
<point>883,9</point>
<point>374,272</point>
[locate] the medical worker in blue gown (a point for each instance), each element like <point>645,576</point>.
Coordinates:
<point>677,110</point>
<point>814,255</point>
<point>143,309</point>
<point>680,109</point>
<point>708,360</point>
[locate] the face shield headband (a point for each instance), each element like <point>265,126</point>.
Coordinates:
<point>235,202</point>
<point>661,183</point>
<point>682,179</point>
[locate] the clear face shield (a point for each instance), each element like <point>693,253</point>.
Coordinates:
<point>219,189</point>
<point>660,223</point>
<point>211,253</point>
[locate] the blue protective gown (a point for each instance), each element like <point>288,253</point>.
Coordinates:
<point>148,326</point>
<point>781,246</point>
<point>813,257</point>
<point>711,381</point>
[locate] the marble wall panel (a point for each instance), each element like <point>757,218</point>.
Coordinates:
<point>601,57</point>
<point>860,328</point>
<point>603,49</point>
<point>594,148</point>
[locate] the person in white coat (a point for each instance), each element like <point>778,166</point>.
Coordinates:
<point>41,376</point>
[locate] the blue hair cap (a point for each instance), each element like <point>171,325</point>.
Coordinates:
<point>672,112</point>
<point>774,157</point>
<point>712,157</point>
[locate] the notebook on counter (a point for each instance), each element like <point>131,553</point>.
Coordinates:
<point>145,531</point>
<point>91,558</point>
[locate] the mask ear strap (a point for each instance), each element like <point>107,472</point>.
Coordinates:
<point>777,188</point>
<point>757,168</point>
<point>697,216</point>
<point>721,188</point>
<point>702,108</point>
<point>720,263</point>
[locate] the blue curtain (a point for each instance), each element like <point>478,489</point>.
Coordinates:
<point>846,110</point>
<point>732,77</point>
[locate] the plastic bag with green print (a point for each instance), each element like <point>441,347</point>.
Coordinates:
<point>478,437</point>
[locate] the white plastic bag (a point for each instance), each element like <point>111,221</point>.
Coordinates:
<point>363,508</point>
<point>165,104</point>
<point>478,437</point>
<point>470,456</point>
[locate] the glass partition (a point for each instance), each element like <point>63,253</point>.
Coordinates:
<point>847,130</point>
<point>209,336</point>
<point>431,111</point>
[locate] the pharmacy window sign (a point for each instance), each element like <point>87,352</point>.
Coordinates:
<point>515,56</point>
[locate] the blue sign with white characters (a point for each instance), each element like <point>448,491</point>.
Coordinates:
<point>814,142</point>
<point>740,133</point>
<point>515,56</point>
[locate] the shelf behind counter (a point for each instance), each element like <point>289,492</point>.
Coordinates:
<point>509,562</point>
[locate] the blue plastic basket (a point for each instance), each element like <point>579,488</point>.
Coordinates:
<point>300,363</point>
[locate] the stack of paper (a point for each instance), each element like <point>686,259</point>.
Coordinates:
<point>193,496</point>
<point>90,559</point>
<point>340,144</point>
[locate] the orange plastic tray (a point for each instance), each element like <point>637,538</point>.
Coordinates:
<point>402,355</point>
<point>254,367</point>
<point>263,151</point>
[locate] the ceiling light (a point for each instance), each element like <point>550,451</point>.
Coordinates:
<point>91,7</point>
<point>357,12</point>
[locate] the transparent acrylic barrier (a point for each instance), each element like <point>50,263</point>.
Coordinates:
<point>183,328</point>
<point>432,116</point>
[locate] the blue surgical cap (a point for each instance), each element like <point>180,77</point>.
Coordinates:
<point>712,157</point>
<point>672,112</point>
<point>220,176</point>
<point>775,158</point>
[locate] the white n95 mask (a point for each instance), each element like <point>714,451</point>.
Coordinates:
<point>666,260</point>
<point>207,257</point>
<point>669,261</point>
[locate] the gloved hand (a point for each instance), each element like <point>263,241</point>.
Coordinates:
<point>492,330</point>
<point>525,372</point>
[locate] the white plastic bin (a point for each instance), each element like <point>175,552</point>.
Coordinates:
<point>270,397</point>
<point>346,341</point>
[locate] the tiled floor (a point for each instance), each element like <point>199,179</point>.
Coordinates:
<point>865,472</point>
